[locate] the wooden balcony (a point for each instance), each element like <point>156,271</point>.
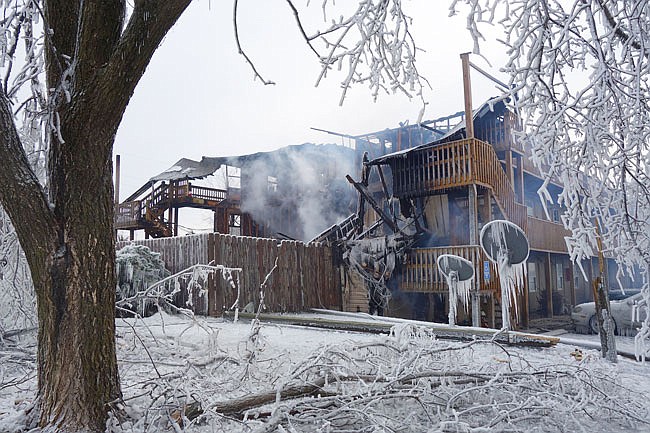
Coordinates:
<point>430,169</point>
<point>420,273</point>
<point>147,213</point>
<point>546,235</point>
<point>127,215</point>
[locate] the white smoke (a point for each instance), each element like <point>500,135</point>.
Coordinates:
<point>299,190</point>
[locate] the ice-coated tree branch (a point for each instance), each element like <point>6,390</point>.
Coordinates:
<point>578,71</point>
<point>408,381</point>
<point>20,190</point>
<point>370,45</point>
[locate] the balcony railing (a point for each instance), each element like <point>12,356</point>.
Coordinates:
<point>127,214</point>
<point>139,214</point>
<point>456,164</point>
<point>420,273</point>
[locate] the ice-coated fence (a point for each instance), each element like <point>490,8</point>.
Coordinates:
<point>306,275</point>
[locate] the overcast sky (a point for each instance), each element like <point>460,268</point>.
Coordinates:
<point>198,96</point>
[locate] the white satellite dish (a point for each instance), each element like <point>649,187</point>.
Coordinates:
<point>501,238</point>
<point>506,245</point>
<point>458,273</point>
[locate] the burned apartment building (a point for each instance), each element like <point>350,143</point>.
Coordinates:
<point>294,193</point>
<point>435,198</point>
<point>390,202</point>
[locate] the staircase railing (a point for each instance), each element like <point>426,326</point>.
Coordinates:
<point>489,172</point>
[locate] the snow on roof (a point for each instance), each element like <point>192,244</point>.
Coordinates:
<point>188,169</point>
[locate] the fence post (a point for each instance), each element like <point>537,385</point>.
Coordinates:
<point>213,308</point>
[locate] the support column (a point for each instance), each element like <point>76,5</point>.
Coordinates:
<point>473,239</point>
<point>467,93</point>
<point>509,168</point>
<point>520,178</point>
<point>473,214</point>
<point>549,288</point>
<point>175,221</point>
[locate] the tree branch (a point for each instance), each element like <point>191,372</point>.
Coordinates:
<point>20,192</point>
<point>147,26</point>
<point>618,31</point>
<point>302,29</point>
<point>60,41</point>
<point>100,27</point>
<point>240,50</point>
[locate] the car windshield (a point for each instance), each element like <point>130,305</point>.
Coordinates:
<point>618,295</point>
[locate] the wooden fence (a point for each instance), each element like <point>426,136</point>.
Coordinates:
<point>306,275</point>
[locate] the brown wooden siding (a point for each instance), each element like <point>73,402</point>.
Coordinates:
<point>306,276</point>
<point>547,236</point>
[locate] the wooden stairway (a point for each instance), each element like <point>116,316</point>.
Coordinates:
<point>149,212</point>
<point>490,173</point>
<point>154,215</point>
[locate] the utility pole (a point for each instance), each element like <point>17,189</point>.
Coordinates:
<point>603,312</point>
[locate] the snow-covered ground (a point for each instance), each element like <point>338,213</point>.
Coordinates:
<point>213,375</point>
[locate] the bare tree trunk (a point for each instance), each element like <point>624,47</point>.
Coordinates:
<point>76,303</point>
<point>93,63</point>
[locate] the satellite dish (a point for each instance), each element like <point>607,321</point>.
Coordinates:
<point>458,273</point>
<point>506,245</point>
<point>504,239</point>
<point>448,263</point>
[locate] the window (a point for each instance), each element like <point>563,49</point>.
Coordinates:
<point>532,277</point>
<point>272,184</point>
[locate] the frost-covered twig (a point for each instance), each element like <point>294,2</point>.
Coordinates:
<point>196,276</point>
<point>578,76</point>
<point>372,44</point>
<point>408,381</point>
<point>17,299</point>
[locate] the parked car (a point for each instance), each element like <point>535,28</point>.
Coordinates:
<point>584,318</point>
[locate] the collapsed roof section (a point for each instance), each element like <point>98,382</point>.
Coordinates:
<point>490,111</point>
<point>188,169</point>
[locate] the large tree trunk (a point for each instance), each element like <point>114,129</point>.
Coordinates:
<point>93,63</point>
<point>78,376</point>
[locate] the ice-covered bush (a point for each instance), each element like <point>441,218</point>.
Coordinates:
<point>137,268</point>
<point>17,299</point>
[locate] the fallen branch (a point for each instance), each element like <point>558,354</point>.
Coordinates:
<point>239,406</point>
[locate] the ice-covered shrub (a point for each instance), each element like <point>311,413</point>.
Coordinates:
<point>137,268</point>
<point>17,298</point>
